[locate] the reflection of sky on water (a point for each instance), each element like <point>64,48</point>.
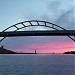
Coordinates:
<point>40,64</point>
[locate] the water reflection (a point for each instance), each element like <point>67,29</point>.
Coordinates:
<point>40,64</point>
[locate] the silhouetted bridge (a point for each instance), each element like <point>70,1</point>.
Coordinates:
<point>56,30</point>
<point>38,33</point>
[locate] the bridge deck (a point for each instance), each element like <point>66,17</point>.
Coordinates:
<point>38,33</point>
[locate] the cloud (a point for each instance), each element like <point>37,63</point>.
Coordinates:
<point>67,20</point>
<point>60,12</point>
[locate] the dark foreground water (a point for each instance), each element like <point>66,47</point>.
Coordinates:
<point>37,64</point>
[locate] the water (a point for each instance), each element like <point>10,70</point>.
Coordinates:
<point>37,64</point>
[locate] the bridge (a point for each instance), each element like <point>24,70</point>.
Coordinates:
<point>53,30</point>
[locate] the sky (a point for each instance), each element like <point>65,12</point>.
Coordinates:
<point>60,12</point>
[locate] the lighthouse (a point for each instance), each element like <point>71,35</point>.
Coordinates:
<point>35,52</point>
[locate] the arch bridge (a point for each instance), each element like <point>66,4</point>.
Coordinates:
<point>53,30</point>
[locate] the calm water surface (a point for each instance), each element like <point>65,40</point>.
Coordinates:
<point>37,64</point>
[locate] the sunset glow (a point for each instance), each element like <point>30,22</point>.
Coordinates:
<point>48,47</point>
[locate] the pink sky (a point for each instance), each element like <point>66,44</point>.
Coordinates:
<point>49,47</point>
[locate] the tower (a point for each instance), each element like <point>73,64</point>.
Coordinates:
<point>35,51</point>
<point>2,47</point>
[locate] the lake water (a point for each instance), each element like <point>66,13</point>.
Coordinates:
<point>37,64</point>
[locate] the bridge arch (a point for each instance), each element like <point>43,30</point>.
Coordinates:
<point>26,24</point>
